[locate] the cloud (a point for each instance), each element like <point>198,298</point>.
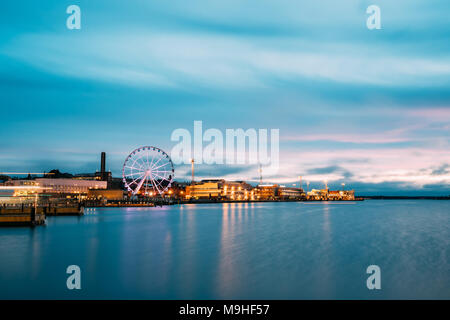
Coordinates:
<point>368,108</point>
<point>170,59</point>
<point>436,114</point>
<point>442,170</point>
<point>410,126</point>
<point>349,138</point>
<point>213,171</point>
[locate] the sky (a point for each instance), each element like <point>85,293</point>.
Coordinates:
<point>368,108</point>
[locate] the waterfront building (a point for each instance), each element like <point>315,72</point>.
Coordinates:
<point>237,190</point>
<point>318,194</point>
<point>70,186</point>
<point>105,194</point>
<point>266,192</point>
<point>289,193</point>
<point>334,195</point>
<point>177,190</point>
<point>325,194</point>
<point>205,190</point>
<point>347,194</point>
<point>58,186</point>
<point>87,176</point>
<point>220,189</point>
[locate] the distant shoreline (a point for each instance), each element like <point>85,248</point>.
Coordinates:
<point>406,197</point>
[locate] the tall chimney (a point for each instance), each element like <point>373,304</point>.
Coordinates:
<point>103,166</point>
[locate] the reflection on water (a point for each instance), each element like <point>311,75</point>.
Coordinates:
<point>225,268</point>
<point>235,250</point>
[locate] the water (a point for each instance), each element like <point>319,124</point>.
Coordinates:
<point>235,251</point>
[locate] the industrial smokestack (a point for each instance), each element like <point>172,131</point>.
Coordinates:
<point>103,166</point>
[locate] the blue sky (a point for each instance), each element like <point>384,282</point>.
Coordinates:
<point>370,108</point>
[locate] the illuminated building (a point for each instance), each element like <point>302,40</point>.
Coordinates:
<point>19,194</point>
<point>267,192</point>
<point>107,194</point>
<point>71,185</point>
<point>237,190</point>
<point>334,195</point>
<point>205,190</point>
<point>348,195</point>
<point>220,189</point>
<point>341,195</point>
<point>60,186</point>
<point>288,193</point>
<point>325,194</point>
<point>318,194</point>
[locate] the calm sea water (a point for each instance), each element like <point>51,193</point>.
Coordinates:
<point>235,251</point>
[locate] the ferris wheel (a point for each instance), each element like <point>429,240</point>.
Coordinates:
<point>149,170</point>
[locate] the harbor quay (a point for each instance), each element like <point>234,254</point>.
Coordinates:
<point>29,200</point>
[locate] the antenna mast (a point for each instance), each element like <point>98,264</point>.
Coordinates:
<point>192,168</point>
<point>260,174</point>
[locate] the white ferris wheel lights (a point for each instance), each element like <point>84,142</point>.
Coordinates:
<point>148,170</point>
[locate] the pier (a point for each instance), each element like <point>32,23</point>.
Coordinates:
<point>30,215</point>
<point>21,216</point>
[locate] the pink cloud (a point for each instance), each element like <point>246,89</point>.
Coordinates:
<point>348,137</point>
<point>436,114</point>
<point>409,165</point>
